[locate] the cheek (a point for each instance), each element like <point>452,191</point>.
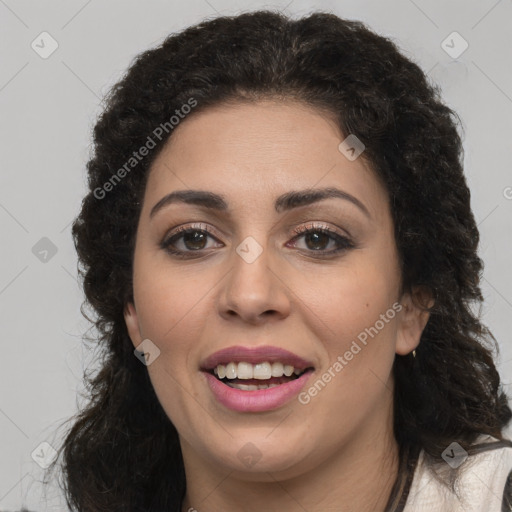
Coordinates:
<point>356,317</point>
<point>168,300</point>
<point>170,305</point>
<point>354,313</point>
<point>351,297</point>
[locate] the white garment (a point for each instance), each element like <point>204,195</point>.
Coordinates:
<point>481,484</point>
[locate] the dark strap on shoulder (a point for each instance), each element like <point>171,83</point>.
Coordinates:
<point>484,447</point>
<point>506,504</point>
<point>402,486</point>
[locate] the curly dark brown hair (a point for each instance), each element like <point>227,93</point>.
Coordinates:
<point>122,452</point>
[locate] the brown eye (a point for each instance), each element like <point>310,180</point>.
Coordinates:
<point>194,240</point>
<point>187,240</point>
<point>318,238</point>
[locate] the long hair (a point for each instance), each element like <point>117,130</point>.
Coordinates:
<point>121,451</point>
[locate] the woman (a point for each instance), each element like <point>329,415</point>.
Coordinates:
<point>279,247</point>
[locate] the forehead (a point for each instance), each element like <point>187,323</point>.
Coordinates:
<point>261,149</point>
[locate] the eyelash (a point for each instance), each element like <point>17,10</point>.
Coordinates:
<point>343,242</point>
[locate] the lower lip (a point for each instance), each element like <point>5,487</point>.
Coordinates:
<point>258,400</point>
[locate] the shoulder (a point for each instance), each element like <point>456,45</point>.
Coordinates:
<point>483,483</point>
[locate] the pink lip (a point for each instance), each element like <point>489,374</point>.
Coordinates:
<point>254,355</point>
<point>259,400</point>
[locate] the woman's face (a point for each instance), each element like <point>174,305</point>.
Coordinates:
<point>254,285</point>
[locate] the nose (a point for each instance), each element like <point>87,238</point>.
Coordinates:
<point>255,291</point>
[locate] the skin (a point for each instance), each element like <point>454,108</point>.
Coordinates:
<point>336,452</point>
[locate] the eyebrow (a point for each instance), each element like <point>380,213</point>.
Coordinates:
<point>284,202</point>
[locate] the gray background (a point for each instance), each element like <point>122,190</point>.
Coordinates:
<point>48,107</point>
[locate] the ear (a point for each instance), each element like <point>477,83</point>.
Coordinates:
<point>413,319</point>
<point>132,324</point>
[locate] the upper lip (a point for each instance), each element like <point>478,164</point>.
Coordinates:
<point>254,355</point>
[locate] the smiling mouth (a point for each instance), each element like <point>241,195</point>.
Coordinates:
<point>252,377</point>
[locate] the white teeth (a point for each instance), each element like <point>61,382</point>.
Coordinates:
<point>251,387</point>
<point>260,371</point>
<point>277,370</point>
<point>244,371</point>
<point>288,370</point>
<point>230,371</point>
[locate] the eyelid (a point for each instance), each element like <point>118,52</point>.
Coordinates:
<point>199,226</point>
<point>297,231</point>
<point>289,226</point>
<point>321,225</point>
